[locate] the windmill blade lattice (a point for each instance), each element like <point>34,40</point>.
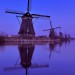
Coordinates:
<point>38,15</point>
<point>29,6</point>
<point>14,12</point>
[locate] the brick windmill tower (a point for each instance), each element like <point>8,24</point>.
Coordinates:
<point>26,28</point>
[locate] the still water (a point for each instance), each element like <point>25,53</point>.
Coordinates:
<point>45,59</point>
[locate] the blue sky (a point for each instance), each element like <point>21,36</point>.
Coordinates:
<point>62,14</point>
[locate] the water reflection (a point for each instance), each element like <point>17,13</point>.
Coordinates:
<point>60,44</point>
<point>52,46</point>
<point>28,51</point>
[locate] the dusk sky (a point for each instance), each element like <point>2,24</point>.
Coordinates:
<point>62,14</point>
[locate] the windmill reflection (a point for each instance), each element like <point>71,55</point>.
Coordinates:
<point>52,46</point>
<point>26,52</point>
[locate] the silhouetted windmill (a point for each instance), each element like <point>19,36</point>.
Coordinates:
<point>26,27</point>
<point>52,33</point>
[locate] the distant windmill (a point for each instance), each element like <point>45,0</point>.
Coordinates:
<point>26,27</point>
<point>52,33</point>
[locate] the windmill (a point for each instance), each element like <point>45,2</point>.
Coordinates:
<point>26,27</point>
<point>52,33</point>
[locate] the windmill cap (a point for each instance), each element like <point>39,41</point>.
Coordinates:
<point>27,15</point>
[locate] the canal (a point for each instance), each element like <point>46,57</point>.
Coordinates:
<point>42,59</point>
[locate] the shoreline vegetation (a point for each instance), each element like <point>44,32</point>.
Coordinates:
<point>5,40</point>
<point>2,40</point>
